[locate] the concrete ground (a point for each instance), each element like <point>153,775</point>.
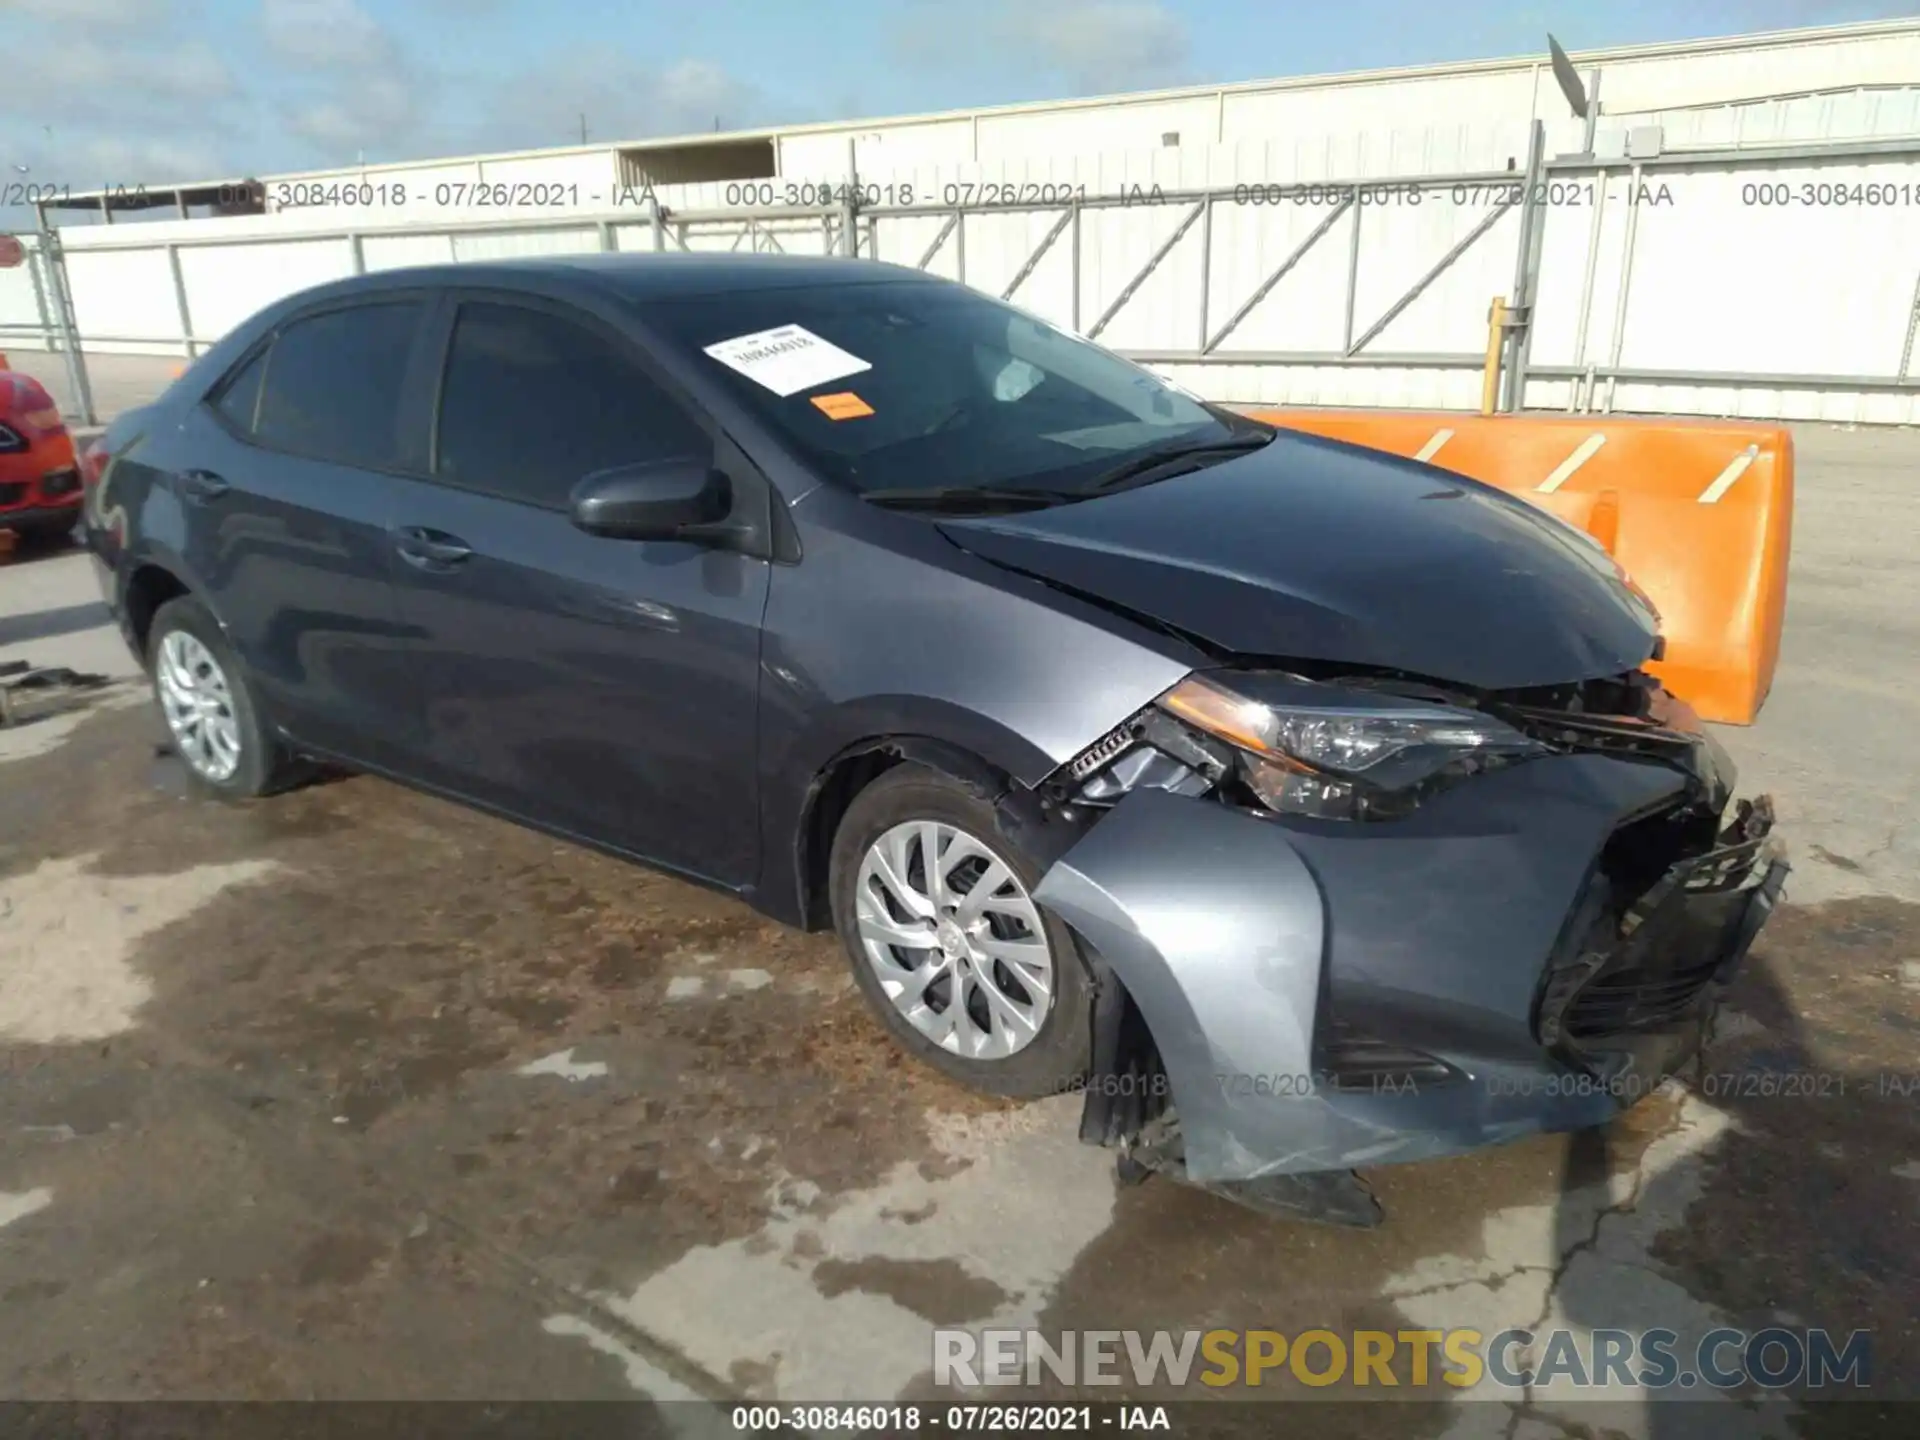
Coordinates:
<point>356,1094</point>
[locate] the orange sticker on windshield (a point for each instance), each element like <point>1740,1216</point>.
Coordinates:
<point>844,406</point>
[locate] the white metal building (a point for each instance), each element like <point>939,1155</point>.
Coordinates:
<point>1736,231</point>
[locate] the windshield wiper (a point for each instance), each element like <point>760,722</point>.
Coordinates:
<point>963,497</point>
<point>1140,466</point>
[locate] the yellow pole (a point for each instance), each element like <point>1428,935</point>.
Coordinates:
<point>1496,332</point>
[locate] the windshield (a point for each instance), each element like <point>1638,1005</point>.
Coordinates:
<point>916,386</point>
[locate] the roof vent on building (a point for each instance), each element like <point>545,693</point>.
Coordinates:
<point>1170,138</point>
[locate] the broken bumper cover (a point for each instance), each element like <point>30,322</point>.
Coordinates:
<point>1483,935</point>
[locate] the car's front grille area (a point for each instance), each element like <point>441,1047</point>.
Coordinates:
<point>56,483</point>
<point>1656,923</point>
<point>12,493</point>
<point>12,442</point>
<point>1636,998</point>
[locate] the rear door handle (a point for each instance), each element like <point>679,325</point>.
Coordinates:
<point>201,485</point>
<point>430,549</point>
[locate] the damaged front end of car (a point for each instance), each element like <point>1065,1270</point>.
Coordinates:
<point>1339,921</point>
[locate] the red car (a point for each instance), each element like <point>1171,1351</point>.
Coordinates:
<point>40,489</point>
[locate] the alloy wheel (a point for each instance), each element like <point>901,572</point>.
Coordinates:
<point>955,939</point>
<point>198,703</point>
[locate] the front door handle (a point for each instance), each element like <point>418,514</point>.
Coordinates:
<point>430,549</point>
<point>201,485</point>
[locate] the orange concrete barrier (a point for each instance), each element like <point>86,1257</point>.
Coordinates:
<point>1698,512</point>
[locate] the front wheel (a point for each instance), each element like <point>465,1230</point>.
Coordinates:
<point>935,907</point>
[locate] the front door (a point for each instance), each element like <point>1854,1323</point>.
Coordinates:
<point>607,687</point>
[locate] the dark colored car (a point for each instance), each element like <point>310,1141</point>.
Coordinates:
<point>40,487</point>
<point>1305,807</point>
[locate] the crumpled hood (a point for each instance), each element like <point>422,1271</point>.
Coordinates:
<point>1315,550</point>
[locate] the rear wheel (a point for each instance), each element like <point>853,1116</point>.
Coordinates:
<point>212,718</point>
<point>935,907</point>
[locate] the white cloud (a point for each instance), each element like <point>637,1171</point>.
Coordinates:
<point>118,73</point>
<point>125,106</point>
<point>113,81</point>
<point>149,92</point>
<point>693,94</point>
<point>92,161</point>
<point>93,12</point>
<point>374,109</point>
<point>324,32</point>
<point>622,99</point>
<point>1102,44</point>
<point>351,89</point>
<point>331,125</point>
<point>1094,46</point>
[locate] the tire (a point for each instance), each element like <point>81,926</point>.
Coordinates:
<point>184,643</point>
<point>1047,1051</point>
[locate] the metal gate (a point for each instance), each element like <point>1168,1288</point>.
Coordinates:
<point>895,232</point>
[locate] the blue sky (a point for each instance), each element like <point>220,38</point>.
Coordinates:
<point>139,91</point>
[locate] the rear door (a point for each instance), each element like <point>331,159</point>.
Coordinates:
<point>605,687</point>
<point>287,499</point>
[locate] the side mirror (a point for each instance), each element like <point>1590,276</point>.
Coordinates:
<point>679,499</point>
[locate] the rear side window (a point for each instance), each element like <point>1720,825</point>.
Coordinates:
<point>332,388</point>
<point>532,403</point>
<point>239,400</point>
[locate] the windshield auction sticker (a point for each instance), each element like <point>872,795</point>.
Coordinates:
<point>844,406</point>
<point>787,359</point>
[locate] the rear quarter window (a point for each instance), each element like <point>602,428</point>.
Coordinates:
<point>238,398</point>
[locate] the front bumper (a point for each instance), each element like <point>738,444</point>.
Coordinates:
<point>1494,932</point>
<point>41,487</point>
<point>38,517</point>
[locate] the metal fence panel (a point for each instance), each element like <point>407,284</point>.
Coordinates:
<point>1798,268</point>
<point>393,252</point>
<point>508,245</point>
<point>227,283</point>
<point>1319,269</point>
<point>24,317</point>
<point>127,293</point>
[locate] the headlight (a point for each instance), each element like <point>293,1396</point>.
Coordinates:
<point>1350,758</point>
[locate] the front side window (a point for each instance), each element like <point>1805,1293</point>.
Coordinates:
<point>332,385</point>
<point>901,385</point>
<point>532,403</point>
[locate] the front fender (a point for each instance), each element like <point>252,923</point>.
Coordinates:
<point>1217,931</point>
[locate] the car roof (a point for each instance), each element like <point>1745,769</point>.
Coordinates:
<point>633,276</point>
<point>642,276</point>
